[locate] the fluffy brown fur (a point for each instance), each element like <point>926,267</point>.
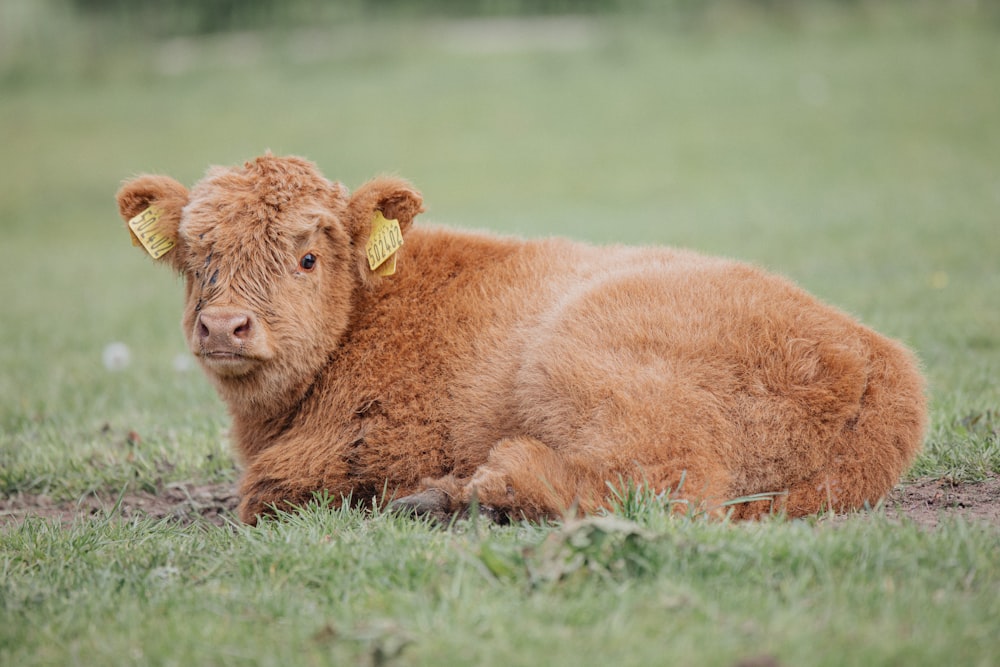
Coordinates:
<point>525,374</point>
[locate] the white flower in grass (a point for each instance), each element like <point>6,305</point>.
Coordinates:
<point>183,363</point>
<point>116,356</point>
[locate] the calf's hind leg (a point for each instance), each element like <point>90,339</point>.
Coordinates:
<point>525,479</point>
<point>522,479</point>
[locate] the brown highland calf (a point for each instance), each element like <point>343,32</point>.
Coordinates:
<point>526,376</point>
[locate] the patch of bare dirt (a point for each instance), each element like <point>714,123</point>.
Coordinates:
<point>185,503</point>
<point>924,502</point>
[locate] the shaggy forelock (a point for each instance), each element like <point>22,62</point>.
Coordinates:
<point>244,225</point>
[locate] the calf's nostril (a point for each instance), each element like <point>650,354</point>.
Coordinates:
<point>242,329</point>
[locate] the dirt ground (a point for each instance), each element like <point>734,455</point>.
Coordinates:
<point>923,501</point>
<point>185,503</point>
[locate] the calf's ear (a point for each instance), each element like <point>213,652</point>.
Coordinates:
<point>393,198</point>
<point>151,207</point>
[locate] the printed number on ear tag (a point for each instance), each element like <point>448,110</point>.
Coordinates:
<point>388,267</point>
<point>386,238</point>
<point>145,230</point>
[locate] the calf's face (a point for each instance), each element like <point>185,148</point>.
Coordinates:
<point>272,255</point>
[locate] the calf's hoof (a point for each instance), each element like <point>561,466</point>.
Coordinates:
<point>431,502</point>
<point>437,504</point>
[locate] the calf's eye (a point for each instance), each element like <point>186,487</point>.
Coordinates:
<point>308,261</point>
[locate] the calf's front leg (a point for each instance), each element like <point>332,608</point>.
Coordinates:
<point>287,476</point>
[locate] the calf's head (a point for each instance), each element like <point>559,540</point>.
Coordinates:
<point>272,255</point>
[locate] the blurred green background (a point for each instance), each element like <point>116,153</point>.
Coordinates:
<point>854,146</point>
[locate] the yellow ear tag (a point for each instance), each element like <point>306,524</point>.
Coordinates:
<point>386,238</point>
<point>144,229</point>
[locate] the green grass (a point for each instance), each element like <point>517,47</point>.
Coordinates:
<point>345,588</point>
<point>857,151</point>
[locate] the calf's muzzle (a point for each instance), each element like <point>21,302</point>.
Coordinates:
<point>224,331</point>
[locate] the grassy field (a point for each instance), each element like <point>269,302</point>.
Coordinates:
<point>857,151</point>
